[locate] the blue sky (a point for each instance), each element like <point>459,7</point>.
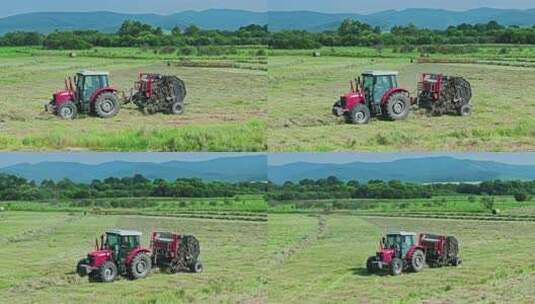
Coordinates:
<point>8,159</point>
<point>171,6</point>
<point>164,7</point>
<point>340,158</point>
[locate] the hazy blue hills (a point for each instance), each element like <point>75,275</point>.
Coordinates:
<point>231,169</point>
<point>225,19</point>
<point>421,170</point>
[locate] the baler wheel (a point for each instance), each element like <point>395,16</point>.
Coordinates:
<point>196,267</point>
<point>359,115</point>
<point>177,108</point>
<point>396,267</point>
<point>107,272</point>
<point>465,110</point>
<point>107,105</point>
<point>417,261</point>
<point>67,110</point>
<point>397,106</point>
<point>140,266</point>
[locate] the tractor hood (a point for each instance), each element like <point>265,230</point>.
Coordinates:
<point>100,253</point>
<point>386,255</point>
<point>349,100</point>
<point>98,257</point>
<point>63,96</point>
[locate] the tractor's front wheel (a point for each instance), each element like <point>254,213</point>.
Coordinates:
<point>397,106</point>
<point>140,266</point>
<point>359,115</point>
<point>107,105</point>
<point>67,110</point>
<point>396,267</point>
<point>370,265</point>
<point>417,261</point>
<point>107,272</point>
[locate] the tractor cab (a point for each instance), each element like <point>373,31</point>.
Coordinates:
<point>121,242</point>
<point>377,83</point>
<point>400,242</point>
<point>87,83</point>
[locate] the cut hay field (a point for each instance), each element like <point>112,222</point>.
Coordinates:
<point>40,250</point>
<point>220,113</point>
<point>321,259</point>
<point>302,90</point>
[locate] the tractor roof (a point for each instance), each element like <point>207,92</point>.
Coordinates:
<point>381,73</point>
<point>401,233</point>
<point>124,232</point>
<point>93,73</point>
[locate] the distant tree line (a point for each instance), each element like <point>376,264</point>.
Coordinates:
<point>356,33</point>
<point>333,188</point>
<point>137,34</point>
<point>349,33</point>
<point>20,189</point>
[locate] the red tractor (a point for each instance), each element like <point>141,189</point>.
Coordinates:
<point>441,94</point>
<point>401,251</point>
<point>174,252</point>
<point>375,94</point>
<point>119,253</point>
<point>90,93</point>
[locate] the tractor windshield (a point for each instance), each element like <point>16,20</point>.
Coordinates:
<point>367,84</point>
<point>87,85</point>
<point>112,240</point>
<point>393,241</point>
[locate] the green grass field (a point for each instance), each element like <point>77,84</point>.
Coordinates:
<point>222,112</point>
<point>40,251</point>
<point>302,90</point>
<point>322,260</point>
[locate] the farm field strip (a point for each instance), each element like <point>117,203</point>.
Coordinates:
<point>302,90</point>
<point>45,275</point>
<point>331,268</point>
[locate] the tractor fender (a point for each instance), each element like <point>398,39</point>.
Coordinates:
<point>97,93</point>
<point>389,93</point>
<point>412,250</point>
<point>134,253</point>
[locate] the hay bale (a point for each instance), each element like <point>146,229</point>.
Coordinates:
<point>72,54</point>
<point>316,54</point>
<point>496,211</point>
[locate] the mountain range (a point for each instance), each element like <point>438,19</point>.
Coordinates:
<point>419,170</point>
<point>230,169</point>
<point>226,19</point>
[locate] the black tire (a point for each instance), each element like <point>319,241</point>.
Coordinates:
<point>396,267</point>
<point>107,105</point>
<point>456,261</point>
<point>465,110</point>
<point>81,270</point>
<point>196,267</point>
<point>359,115</point>
<point>107,272</point>
<point>397,107</point>
<point>140,266</point>
<point>177,108</point>
<point>370,266</point>
<point>417,261</point>
<point>67,110</point>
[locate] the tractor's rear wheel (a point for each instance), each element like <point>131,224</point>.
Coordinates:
<point>417,261</point>
<point>67,110</point>
<point>396,267</point>
<point>107,272</point>
<point>359,115</point>
<point>370,265</point>
<point>397,106</point>
<point>177,108</point>
<point>107,105</point>
<point>196,267</point>
<point>140,266</point>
